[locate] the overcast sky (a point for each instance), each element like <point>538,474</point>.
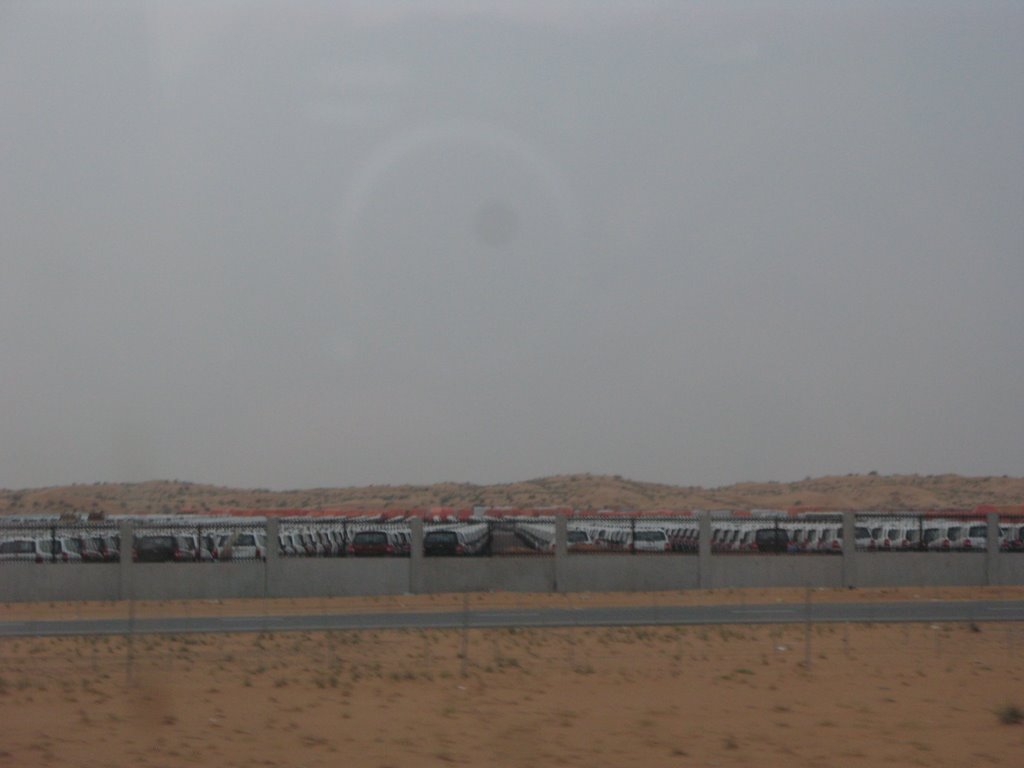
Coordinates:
<point>295,244</point>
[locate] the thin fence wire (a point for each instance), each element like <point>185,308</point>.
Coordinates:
<point>632,535</point>
<point>810,535</point>
<point>244,540</point>
<point>1011,533</point>
<point>879,532</point>
<point>58,541</point>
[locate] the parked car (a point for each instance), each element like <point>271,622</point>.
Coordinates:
<point>941,536</point>
<point>242,545</point>
<point>886,537</point>
<point>401,543</point>
<point>191,549</point>
<point>974,537</point>
<point>287,549</point>
<point>830,539</point>
<point>159,548</point>
<point>88,548</point>
<point>109,547</point>
<point>771,540</point>
<point>370,544</point>
<point>441,544</point>
<point>1013,540</point>
<point>650,540</point>
<point>578,540</point>
<point>32,550</point>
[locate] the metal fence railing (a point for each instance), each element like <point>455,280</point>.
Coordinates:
<point>1011,533</point>
<point>246,540</point>
<point>812,535</point>
<point>201,541</point>
<point>490,537</point>
<point>344,537</point>
<point>632,535</point>
<point>877,532</point>
<point>59,541</point>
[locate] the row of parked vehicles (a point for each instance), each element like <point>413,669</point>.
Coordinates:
<point>198,544</point>
<point>368,538</point>
<point>770,535</point>
<point>64,548</point>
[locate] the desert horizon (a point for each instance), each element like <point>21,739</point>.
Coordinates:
<point>576,491</point>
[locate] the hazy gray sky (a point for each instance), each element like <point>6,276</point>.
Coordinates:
<point>291,244</point>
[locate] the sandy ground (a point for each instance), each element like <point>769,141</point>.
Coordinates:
<point>916,694</point>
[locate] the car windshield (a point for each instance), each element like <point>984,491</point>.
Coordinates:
<point>157,542</point>
<point>17,547</point>
<point>577,536</point>
<point>246,540</point>
<point>441,536</point>
<point>892,534</point>
<point>650,536</point>
<point>978,532</point>
<point>930,535</point>
<point>371,537</point>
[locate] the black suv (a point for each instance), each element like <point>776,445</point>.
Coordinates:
<point>157,549</point>
<point>771,540</point>
<point>441,544</point>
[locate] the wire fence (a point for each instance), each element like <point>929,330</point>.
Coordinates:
<point>59,542</point>
<point>632,535</point>
<point>244,540</point>
<point>344,537</point>
<point>1011,534</point>
<point>200,542</point>
<point>812,535</point>
<point>927,533</point>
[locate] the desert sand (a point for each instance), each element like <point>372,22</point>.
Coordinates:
<point>858,695</point>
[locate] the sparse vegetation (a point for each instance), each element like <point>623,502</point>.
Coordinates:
<point>1010,714</point>
<point>583,491</point>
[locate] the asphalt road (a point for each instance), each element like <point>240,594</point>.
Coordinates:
<point>779,613</point>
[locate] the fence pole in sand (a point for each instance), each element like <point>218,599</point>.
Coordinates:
<point>807,630</point>
<point>465,634</point>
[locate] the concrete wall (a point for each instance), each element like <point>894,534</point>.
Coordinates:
<point>775,571</point>
<point>1008,569</point>
<point>911,569</point>
<point>529,573</point>
<point>630,573</point>
<point>194,581</point>
<point>339,577</point>
<point>31,582</point>
<point>561,571</point>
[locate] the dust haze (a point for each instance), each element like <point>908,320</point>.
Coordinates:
<point>380,242</point>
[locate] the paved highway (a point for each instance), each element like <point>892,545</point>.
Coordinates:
<point>778,613</point>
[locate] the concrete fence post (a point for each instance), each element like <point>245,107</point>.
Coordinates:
<point>992,552</point>
<point>416,585</point>
<point>272,565</point>
<point>125,586</point>
<point>561,551</point>
<point>849,549</point>
<point>704,551</point>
